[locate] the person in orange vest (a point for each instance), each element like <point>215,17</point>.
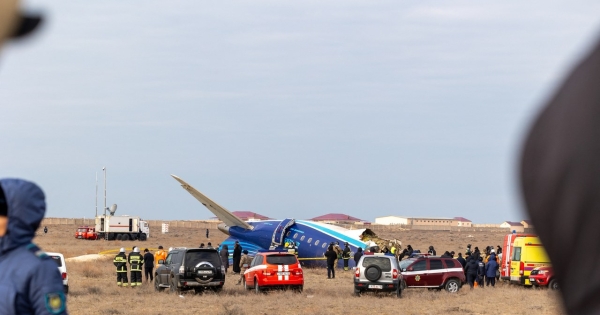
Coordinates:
<point>160,255</point>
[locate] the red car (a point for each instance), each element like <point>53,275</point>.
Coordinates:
<point>274,270</point>
<point>543,276</point>
<point>432,272</point>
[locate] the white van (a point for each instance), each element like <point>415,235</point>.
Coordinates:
<point>59,259</point>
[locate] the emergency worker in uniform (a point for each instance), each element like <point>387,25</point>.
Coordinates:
<point>135,263</point>
<point>30,282</point>
<point>160,255</point>
<point>346,256</point>
<point>245,262</point>
<point>120,262</point>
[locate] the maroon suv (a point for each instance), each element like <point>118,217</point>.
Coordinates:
<point>432,272</point>
<point>543,276</point>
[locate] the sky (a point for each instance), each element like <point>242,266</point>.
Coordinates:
<point>287,109</point>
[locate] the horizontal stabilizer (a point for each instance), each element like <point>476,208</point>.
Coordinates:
<point>223,214</point>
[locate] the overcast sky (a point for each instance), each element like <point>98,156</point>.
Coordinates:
<point>287,109</point>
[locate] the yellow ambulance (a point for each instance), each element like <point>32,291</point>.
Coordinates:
<point>527,253</point>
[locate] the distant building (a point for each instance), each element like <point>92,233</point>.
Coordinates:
<point>248,216</point>
<point>527,224</point>
<point>337,218</point>
<point>513,226</point>
<point>429,221</point>
<point>391,220</point>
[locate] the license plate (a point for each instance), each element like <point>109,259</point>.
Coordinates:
<point>375,286</point>
<point>531,280</point>
<point>204,272</point>
<point>283,273</point>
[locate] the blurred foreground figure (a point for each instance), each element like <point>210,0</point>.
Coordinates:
<point>13,23</point>
<point>560,177</point>
<point>30,282</point>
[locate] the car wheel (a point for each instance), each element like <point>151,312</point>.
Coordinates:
<point>134,237</point>
<point>125,237</point>
<point>143,237</point>
<point>157,284</point>
<point>403,285</point>
<point>66,288</point>
<point>173,289</point>
<point>452,286</point>
<point>553,284</point>
<point>257,288</point>
<point>300,288</point>
<point>119,237</point>
<point>218,289</point>
<point>246,287</point>
<point>356,292</point>
<point>373,273</point>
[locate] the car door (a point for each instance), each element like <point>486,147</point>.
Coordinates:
<point>249,275</point>
<point>435,272</point>
<point>164,270</point>
<point>414,274</point>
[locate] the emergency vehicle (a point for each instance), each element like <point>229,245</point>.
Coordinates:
<point>527,254</point>
<point>506,254</point>
<point>86,233</point>
<point>274,270</point>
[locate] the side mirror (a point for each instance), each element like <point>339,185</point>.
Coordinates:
<point>403,270</point>
<point>161,262</point>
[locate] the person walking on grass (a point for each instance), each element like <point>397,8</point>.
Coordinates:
<point>160,255</point>
<point>245,262</point>
<point>148,265</point>
<point>331,256</point>
<point>480,272</point>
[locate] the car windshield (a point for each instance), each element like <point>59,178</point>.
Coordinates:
<point>57,260</point>
<point>405,263</point>
<point>382,262</point>
<point>281,259</point>
<point>192,258</point>
<point>82,230</point>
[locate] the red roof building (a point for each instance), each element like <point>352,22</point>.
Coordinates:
<point>336,218</point>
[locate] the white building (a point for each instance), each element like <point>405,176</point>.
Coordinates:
<point>391,219</point>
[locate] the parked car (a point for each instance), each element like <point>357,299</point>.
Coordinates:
<point>377,272</point>
<point>432,272</point>
<point>270,270</point>
<point>543,276</point>
<point>59,259</point>
<point>190,268</point>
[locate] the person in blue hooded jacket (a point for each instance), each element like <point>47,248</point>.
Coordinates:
<point>490,271</point>
<point>30,282</point>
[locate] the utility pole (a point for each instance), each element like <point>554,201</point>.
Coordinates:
<point>96,195</point>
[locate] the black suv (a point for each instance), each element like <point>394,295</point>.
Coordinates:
<point>190,268</point>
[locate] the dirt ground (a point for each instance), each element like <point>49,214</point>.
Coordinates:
<point>93,283</point>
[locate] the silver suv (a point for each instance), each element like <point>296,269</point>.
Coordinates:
<point>377,272</point>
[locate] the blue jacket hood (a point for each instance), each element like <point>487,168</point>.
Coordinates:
<point>26,208</point>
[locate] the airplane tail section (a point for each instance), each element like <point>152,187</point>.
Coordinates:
<point>223,214</point>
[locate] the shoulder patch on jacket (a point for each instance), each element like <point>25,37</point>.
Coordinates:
<point>37,251</point>
<point>55,302</point>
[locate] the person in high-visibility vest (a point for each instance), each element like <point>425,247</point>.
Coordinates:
<point>159,255</point>
<point>135,263</point>
<point>120,262</point>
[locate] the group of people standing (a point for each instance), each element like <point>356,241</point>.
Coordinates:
<point>479,266</point>
<point>135,261</point>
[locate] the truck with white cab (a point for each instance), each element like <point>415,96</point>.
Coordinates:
<point>122,228</point>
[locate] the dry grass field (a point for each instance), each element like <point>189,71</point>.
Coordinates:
<point>93,284</point>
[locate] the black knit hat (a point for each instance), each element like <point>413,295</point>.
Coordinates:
<point>3,203</point>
